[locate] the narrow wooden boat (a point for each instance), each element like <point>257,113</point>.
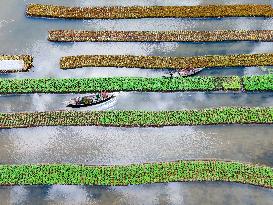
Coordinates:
<point>183,73</point>
<point>189,72</point>
<point>86,101</point>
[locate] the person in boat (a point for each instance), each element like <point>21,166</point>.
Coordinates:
<point>77,100</point>
<point>188,72</point>
<point>104,94</point>
<point>90,100</point>
<point>98,96</point>
<point>171,74</point>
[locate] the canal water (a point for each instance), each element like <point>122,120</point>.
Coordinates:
<point>98,145</point>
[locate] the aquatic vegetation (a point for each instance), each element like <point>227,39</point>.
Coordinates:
<point>160,62</point>
<point>87,85</point>
<point>27,62</point>
<point>211,116</point>
<point>256,83</point>
<point>122,175</point>
<point>160,36</point>
<point>204,11</point>
<point>199,170</point>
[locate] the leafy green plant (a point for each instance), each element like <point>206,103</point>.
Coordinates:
<point>69,174</point>
<point>224,115</point>
<point>234,83</point>
<point>258,83</point>
<point>85,85</point>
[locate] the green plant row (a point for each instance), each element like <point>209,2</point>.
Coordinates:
<point>122,175</point>
<point>52,11</point>
<point>160,62</point>
<point>159,36</point>
<point>211,116</point>
<point>87,85</point>
<point>27,62</point>
<point>258,83</point>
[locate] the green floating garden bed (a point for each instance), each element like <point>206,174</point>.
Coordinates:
<point>122,175</point>
<point>212,116</point>
<point>27,59</point>
<point>51,11</point>
<point>159,62</point>
<point>258,83</point>
<point>160,36</point>
<point>87,85</point>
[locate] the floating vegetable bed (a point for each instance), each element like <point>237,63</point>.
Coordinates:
<point>51,11</point>
<point>160,36</point>
<point>122,175</point>
<point>87,85</point>
<point>159,62</point>
<point>27,65</point>
<point>212,116</point>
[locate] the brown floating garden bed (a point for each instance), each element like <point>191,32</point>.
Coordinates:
<point>160,36</point>
<point>27,65</point>
<point>117,12</point>
<point>159,62</point>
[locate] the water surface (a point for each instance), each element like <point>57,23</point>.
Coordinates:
<point>98,145</point>
<point>171,193</point>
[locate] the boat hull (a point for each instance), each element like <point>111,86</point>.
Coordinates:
<point>87,105</point>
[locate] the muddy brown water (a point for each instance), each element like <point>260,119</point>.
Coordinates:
<point>97,145</point>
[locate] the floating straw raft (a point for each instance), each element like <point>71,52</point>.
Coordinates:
<point>51,11</point>
<point>159,62</point>
<point>134,174</point>
<point>211,116</point>
<point>159,36</point>
<point>27,63</point>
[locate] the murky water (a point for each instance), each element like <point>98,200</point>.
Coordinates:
<point>172,193</point>
<point>100,145</point>
<point>149,101</point>
<point>97,145</point>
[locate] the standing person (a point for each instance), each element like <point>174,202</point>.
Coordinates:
<point>104,94</point>
<point>78,100</point>
<point>171,74</point>
<point>97,96</point>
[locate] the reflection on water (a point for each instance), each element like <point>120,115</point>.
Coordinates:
<point>98,145</point>
<point>172,193</point>
<point>101,145</point>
